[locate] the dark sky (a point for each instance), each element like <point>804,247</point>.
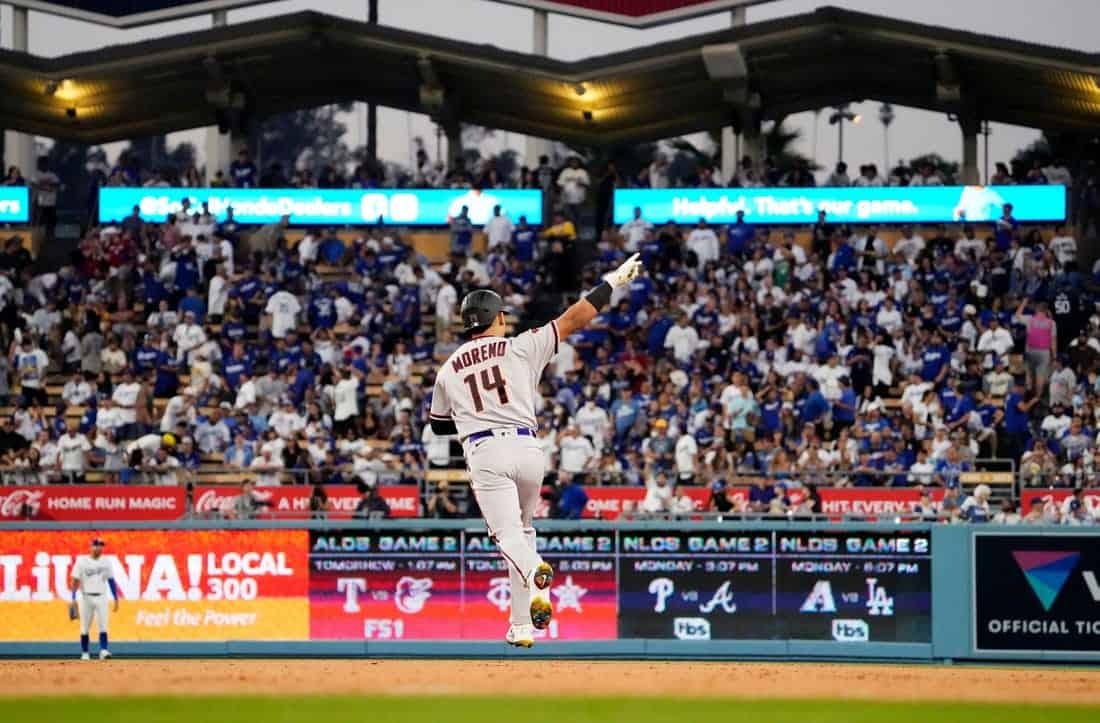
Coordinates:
<point>1067,23</point>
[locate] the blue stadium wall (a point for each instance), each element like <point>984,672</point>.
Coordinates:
<point>873,592</point>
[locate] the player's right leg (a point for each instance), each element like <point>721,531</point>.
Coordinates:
<point>85,609</point>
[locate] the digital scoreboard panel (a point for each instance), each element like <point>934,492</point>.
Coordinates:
<point>707,585</point>
<point>847,587</point>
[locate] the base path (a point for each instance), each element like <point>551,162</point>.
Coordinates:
<point>566,677</point>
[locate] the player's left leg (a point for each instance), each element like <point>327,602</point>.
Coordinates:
<point>101,618</point>
<point>530,470</point>
<point>491,479</point>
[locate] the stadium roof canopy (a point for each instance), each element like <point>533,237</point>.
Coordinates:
<point>760,71</point>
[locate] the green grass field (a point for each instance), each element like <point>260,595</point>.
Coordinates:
<point>548,710</point>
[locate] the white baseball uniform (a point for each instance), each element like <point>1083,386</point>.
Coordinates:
<point>92,598</point>
<point>488,388</point>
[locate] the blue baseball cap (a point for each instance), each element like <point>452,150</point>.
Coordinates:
<point>98,542</point>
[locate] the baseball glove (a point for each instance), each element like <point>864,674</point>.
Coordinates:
<point>72,611</point>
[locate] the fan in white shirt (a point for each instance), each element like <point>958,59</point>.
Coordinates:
<point>577,453</point>
<point>77,391</point>
<point>108,417</point>
<point>573,182</point>
<point>687,449</point>
<point>345,396</point>
<point>284,309</point>
<point>909,245</point>
<point>593,422</point>
<point>968,246</point>
<point>286,421</point>
<point>218,295</point>
<point>704,242</point>
<point>499,229</point>
<point>246,392</point>
<point>267,467</point>
<point>163,467</point>
<point>437,447</point>
<point>803,337</point>
<point>72,450</point>
<point>180,408</point>
<point>634,231</point>
<point>995,339</point>
<point>683,340</point>
<point>445,303</point>
<point>1063,247</point>
<point>307,248</point>
<point>888,317</point>
<point>188,336</point>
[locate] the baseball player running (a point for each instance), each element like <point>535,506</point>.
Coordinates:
<point>91,579</point>
<point>485,393</point>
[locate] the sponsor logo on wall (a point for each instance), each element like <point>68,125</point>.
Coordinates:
<point>1036,593</point>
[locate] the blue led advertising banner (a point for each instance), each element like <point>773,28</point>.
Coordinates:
<point>324,207</point>
<point>926,204</point>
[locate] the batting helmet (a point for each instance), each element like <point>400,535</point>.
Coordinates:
<point>479,310</point>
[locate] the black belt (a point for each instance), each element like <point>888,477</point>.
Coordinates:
<point>521,431</point>
<point>92,594</point>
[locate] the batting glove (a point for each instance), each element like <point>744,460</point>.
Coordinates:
<point>625,273</point>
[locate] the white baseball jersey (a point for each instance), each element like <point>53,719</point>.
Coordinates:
<point>92,574</point>
<point>491,382</point>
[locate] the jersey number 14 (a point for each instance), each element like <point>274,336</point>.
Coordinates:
<point>490,379</point>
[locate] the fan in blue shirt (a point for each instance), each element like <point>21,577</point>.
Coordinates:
<point>935,359</point>
<point>322,310</point>
<point>641,289</point>
<point>145,356</point>
<point>816,405</point>
<point>739,236</point>
<point>524,239</point>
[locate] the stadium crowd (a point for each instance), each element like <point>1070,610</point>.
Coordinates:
<point>794,358</point>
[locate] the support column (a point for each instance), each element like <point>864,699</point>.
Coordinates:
<point>730,143</point>
<point>752,140</point>
<point>372,109</point>
<point>218,147</point>
<point>970,125</point>
<point>454,143</point>
<point>970,174</point>
<point>540,45</point>
<point>19,147</point>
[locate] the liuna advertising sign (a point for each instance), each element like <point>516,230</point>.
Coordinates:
<point>1037,593</point>
<point>943,204</point>
<point>174,585</point>
<point>324,206</point>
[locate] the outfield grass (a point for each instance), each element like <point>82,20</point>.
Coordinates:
<point>545,710</point>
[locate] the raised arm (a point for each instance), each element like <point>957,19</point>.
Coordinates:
<point>580,314</point>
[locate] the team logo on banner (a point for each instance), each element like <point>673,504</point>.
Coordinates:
<point>412,593</point>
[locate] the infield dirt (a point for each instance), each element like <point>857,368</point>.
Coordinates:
<point>564,678</point>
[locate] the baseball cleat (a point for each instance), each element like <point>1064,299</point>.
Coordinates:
<point>541,609</point>
<point>520,636</point>
<point>104,654</point>
<point>85,656</point>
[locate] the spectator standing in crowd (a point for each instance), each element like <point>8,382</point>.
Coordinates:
<point>573,182</point>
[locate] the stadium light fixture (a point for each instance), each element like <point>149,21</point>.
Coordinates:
<point>839,116</point>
